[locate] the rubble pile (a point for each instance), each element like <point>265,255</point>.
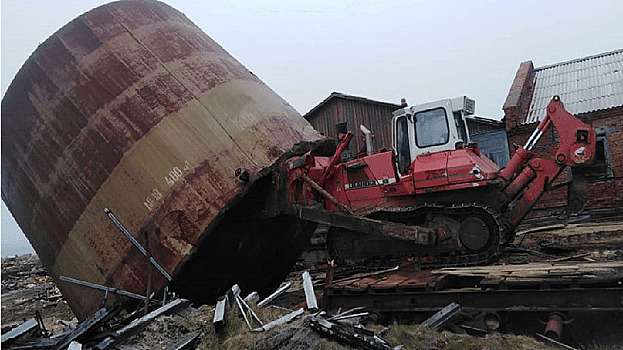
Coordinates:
<point>26,288</point>
<point>24,271</point>
<point>247,323</point>
<point>299,314</point>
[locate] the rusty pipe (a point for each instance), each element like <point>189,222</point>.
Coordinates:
<point>553,328</point>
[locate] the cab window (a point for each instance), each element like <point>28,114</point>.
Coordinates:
<point>431,128</point>
<point>402,144</point>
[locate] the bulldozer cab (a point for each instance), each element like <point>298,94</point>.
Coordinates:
<point>428,128</point>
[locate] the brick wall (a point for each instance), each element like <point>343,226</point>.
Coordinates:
<point>609,193</point>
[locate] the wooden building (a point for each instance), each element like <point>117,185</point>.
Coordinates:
<point>340,113</point>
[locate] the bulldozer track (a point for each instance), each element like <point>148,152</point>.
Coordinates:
<point>431,257</point>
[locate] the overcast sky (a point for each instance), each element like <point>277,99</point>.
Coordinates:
<point>383,50</point>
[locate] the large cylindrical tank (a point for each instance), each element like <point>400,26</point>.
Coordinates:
<point>132,107</point>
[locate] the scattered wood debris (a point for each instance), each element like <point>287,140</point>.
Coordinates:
<point>275,321</point>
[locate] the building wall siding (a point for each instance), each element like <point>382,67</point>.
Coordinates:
<point>376,117</point>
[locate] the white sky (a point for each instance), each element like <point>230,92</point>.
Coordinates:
<point>380,49</point>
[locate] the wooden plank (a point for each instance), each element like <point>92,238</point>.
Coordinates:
<point>535,269</point>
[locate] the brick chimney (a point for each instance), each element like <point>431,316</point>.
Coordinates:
<point>520,96</point>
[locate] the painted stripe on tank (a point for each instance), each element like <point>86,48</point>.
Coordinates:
<point>206,158</point>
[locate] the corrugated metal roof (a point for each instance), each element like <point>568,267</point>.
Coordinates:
<point>584,85</point>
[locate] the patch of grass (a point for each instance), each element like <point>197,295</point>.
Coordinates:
<point>237,335</point>
<point>421,338</point>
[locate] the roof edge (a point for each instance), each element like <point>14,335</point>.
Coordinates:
<point>336,94</point>
<point>579,59</point>
<point>485,120</point>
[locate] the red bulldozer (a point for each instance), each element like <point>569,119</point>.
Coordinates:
<point>435,197</point>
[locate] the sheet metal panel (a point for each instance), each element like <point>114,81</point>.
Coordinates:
<point>494,145</point>
<point>132,107</point>
<point>585,85</point>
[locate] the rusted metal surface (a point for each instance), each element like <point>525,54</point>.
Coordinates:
<point>132,107</point>
<point>553,328</point>
<point>419,280</point>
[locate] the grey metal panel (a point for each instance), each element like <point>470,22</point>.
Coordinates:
<point>584,85</point>
<point>493,144</point>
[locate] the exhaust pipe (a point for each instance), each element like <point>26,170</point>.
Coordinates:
<point>369,145</point>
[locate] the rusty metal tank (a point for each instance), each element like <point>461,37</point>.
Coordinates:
<point>132,107</point>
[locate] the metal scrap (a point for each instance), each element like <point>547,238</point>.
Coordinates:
<point>219,313</point>
<point>344,317</point>
<point>444,315</point>
<point>357,336</point>
<point>339,313</point>
<point>246,311</point>
<point>553,342</point>
<point>74,345</point>
<point>252,297</point>
<point>281,320</point>
<point>136,325</point>
<point>186,342</point>
<point>19,331</point>
<point>274,295</point>
<point>310,295</point>
<point>101,287</point>
<point>83,327</point>
<point>123,230</point>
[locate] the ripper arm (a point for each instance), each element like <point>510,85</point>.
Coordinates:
<point>528,178</point>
